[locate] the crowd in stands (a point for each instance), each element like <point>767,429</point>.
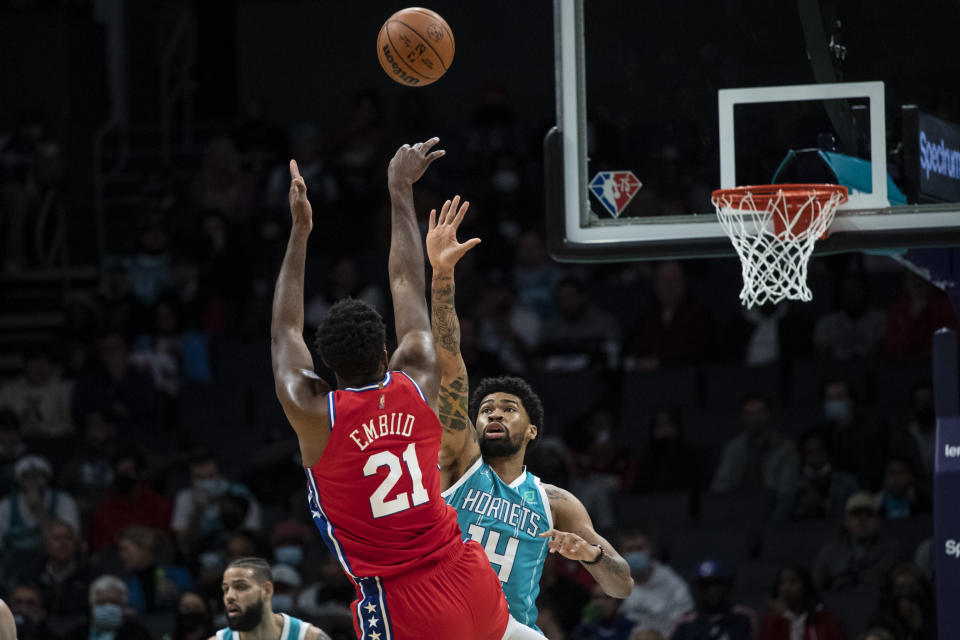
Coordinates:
<point>141,449</point>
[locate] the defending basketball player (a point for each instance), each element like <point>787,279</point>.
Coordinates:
<point>498,503</point>
<point>248,600</point>
<point>370,447</point>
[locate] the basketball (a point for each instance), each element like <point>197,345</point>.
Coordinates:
<point>415,46</point>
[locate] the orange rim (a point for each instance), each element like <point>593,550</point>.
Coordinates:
<point>792,193</point>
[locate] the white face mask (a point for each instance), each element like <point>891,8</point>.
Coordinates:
<point>214,487</point>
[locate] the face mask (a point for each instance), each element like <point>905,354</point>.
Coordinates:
<point>836,409</point>
<point>282,602</point>
<point>638,560</point>
<point>107,616</point>
<point>289,554</point>
<point>214,487</point>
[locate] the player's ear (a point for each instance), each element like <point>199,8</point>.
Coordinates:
<point>267,588</point>
<point>533,432</point>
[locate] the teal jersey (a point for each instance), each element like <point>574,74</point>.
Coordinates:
<point>506,519</point>
<point>293,629</point>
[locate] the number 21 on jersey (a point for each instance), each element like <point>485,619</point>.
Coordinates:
<point>378,503</point>
<point>505,559</point>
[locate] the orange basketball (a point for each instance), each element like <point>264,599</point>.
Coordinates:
<point>415,46</point>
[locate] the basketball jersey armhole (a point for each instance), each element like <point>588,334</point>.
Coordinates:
<point>546,501</point>
<point>475,467</point>
<point>415,385</point>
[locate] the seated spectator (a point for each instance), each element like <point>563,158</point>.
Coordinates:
<point>767,334</point>
<point>172,353</point>
<point>66,576</point>
<point>110,614</point>
<point>12,448</point>
<point>918,439</point>
<point>535,275</point>
<point>132,501</point>
<point>110,384</point>
<point>876,634</point>
<point>344,281</point>
<point>39,396</point>
<point>715,615</point>
<point>760,458</point>
<point>286,586</point>
<point>148,270</point>
<point>796,612</point>
<point>120,309</point>
<point>856,446</point>
<point>194,620</point>
<point>669,462</point>
<point>675,329</point>
<point>290,539</point>
<point>907,609</point>
<point>900,495</point>
<point>861,556</point>
<point>579,335</point>
<point>856,328</point>
<point>565,595</point>
<point>30,614</point>
<point>221,184</point>
<point>25,512</point>
<point>89,470</point>
<point>197,509</point>
<point>602,619</point>
<point>507,330</point>
<point>152,585</point>
<point>660,598</point>
<point>822,491</point>
<point>912,318</point>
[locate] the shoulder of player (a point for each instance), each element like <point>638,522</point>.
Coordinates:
<point>315,633</point>
<point>561,500</point>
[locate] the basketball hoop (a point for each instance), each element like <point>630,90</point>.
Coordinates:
<point>773,229</point>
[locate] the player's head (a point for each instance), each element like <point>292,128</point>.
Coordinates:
<point>247,591</point>
<point>508,415</point>
<point>351,340</point>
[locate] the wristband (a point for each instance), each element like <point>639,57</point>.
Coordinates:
<point>599,557</point>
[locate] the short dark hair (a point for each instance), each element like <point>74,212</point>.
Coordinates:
<point>260,567</point>
<point>351,338</point>
<point>514,386</point>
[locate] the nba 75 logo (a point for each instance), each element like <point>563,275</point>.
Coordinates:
<point>615,189</point>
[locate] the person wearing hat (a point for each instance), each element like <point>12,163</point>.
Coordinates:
<point>715,616</point>
<point>25,512</point>
<point>286,587</point>
<point>249,593</point>
<point>40,396</point>
<point>861,556</point>
<point>289,540</point>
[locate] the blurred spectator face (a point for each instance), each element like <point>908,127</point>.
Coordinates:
<point>816,457</point>
<point>570,300</point>
<point>192,614</point>
<point>206,477</point>
<point>34,480</point>
<point>135,554</point>
<point>862,524</point>
<point>126,474</point>
<point>98,432</point>
<point>755,416</point>
<point>240,546</point>
<point>837,402</point>
<point>790,589</point>
<point>897,479</point>
<point>154,239</point>
<point>165,320</point>
<point>638,551</point>
<point>243,598</point>
<point>60,542</point>
<point>714,594</point>
<point>665,427</point>
<point>38,369</point>
<point>25,600</point>
<point>669,283</point>
<point>107,607</point>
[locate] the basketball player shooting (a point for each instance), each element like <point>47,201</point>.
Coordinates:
<point>499,503</point>
<point>369,448</point>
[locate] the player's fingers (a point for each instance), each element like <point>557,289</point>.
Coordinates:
<point>549,533</point>
<point>462,211</point>
<point>444,210</point>
<point>294,169</point>
<point>426,145</point>
<point>439,153</point>
<point>432,223</point>
<point>469,244</point>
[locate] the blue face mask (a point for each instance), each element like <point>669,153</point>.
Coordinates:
<point>282,602</point>
<point>289,554</point>
<point>107,616</point>
<point>836,409</point>
<point>638,560</point>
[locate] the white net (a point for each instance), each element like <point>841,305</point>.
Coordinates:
<point>775,241</point>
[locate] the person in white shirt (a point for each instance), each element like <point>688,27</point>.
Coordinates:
<point>660,597</point>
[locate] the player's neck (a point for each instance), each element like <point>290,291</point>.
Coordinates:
<point>507,468</point>
<point>269,628</point>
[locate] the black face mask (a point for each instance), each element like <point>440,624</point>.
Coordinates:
<point>124,484</point>
<point>191,621</point>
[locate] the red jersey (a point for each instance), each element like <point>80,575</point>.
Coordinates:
<point>375,493</point>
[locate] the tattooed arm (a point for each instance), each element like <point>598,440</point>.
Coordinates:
<point>458,448</point>
<point>573,537</point>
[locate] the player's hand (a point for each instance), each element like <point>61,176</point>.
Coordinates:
<point>570,545</point>
<point>409,162</point>
<point>443,250</point>
<point>300,209</point>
